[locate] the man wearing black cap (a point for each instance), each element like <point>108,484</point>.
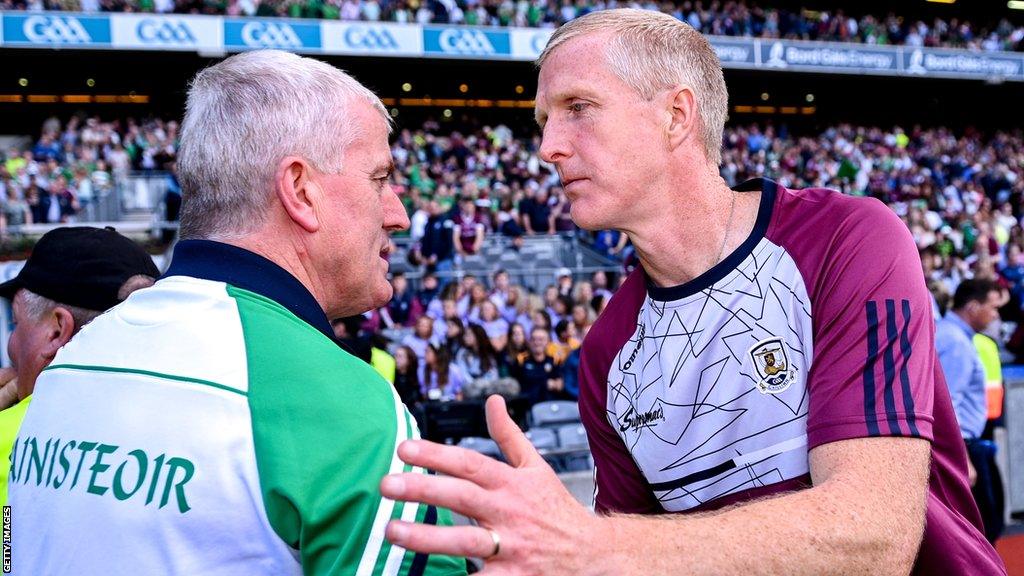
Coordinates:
<point>73,276</point>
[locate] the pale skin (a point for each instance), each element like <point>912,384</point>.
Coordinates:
<point>330,231</point>
<point>640,167</point>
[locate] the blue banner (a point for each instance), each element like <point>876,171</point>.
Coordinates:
<point>54,29</point>
<point>272,33</point>
<point>467,41</point>
<point>219,34</point>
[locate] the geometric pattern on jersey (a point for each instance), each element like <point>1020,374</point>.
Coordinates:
<point>684,394</point>
<point>278,440</point>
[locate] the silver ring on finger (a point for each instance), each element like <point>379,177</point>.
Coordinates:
<point>497,544</point>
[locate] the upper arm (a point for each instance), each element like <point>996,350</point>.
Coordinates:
<point>873,371</point>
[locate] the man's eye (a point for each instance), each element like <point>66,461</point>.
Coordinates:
<point>578,106</point>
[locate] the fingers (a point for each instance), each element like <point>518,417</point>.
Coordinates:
<point>513,443</point>
<point>472,541</point>
<point>453,461</point>
<point>458,495</point>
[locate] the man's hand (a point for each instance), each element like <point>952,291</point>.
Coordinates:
<point>542,529</point>
<point>972,474</point>
<point>8,388</point>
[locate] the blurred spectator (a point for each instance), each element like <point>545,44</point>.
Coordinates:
<point>516,349</point>
<point>407,380</point>
<point>539,375</point>
<point>477,358</point>
<point>403,308</point>
<point>493,325</point>
<point>469,228</point>
<point>422,338</point>
<point>975,307</point>
<point>440,379</point>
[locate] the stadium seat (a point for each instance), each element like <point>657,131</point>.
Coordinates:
<point>554,412</point>
<point>574,437</point>
<point>485,446</point>
<point>542,438</point>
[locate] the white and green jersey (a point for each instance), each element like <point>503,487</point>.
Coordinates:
<point>211,427</point>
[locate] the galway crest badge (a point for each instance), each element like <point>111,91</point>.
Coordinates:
<point>772,365</point>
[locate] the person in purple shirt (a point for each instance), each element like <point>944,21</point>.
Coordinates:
<point>761,395</point>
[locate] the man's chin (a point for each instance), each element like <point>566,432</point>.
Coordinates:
<point>383,295</point>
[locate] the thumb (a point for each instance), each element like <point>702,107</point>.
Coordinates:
<point>516,447</point>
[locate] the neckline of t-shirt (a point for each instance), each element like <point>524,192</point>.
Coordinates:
<point>769,190</point>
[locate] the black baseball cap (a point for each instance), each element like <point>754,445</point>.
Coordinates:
<point>81,266</point>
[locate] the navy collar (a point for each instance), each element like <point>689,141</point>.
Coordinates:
<point>247,270</point>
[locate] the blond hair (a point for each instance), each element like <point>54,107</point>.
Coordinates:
<point>651,52</point>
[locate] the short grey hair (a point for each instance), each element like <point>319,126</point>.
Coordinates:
<point>651,52</point>
<point>242,117</point>
<point>37,306</point>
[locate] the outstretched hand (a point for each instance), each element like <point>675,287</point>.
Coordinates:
<point>540,526</point>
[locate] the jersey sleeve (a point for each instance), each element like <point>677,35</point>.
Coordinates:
<point>619,484</point>
<point>873,371</point>
<point>326,428</point>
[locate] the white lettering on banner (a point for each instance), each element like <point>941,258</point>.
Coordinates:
<point>838,58</point>
<point>167,32</point>
<point>465,42</point>
<point>270,35</point>
<point>370,38</point>
<point>732,53</point>
<point>55,30</point>
<point>967,63</point>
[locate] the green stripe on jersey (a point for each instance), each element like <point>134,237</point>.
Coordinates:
<point>112,369</point>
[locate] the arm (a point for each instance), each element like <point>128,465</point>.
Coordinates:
<point>868,498</point>
<point>456,240</point>
<point>865,513</point>
<point>623,240</point>
<point>481,233</point>
<point>8,388</point>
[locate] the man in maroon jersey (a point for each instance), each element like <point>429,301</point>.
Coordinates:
<point>767,373</point>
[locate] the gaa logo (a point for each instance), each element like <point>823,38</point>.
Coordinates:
<point>270,35</point>
<point>363,38</point>
<point>458,41</point>
<point>539,41</point>
<point>168,32</point>
<point>55,30</point>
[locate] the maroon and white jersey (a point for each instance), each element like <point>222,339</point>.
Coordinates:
<point>818,328</point>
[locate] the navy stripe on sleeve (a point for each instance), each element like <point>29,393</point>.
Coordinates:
<point>889,362</point>
<point>870,415</point>
<point>905,351</point>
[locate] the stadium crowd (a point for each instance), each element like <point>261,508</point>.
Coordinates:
<point>729,18</point>
<point>961,195</point>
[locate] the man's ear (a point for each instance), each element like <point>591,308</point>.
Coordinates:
<point>298,193</point>
<point>683,123</point>
<point>60,328</point>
